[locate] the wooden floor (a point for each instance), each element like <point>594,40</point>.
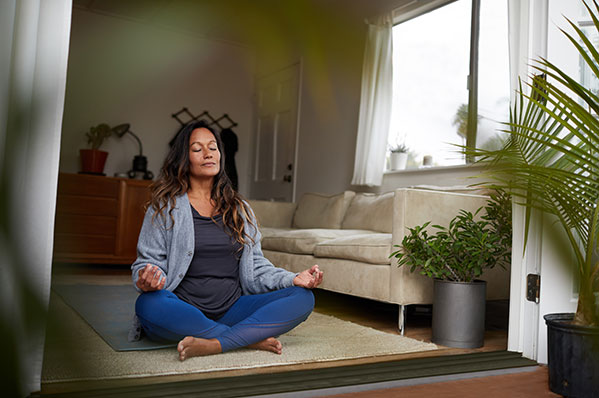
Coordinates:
<point>517,385</point>
<point>384,317</point>
<point>381,316</point>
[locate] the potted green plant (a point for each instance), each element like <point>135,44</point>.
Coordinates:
<point>550,162</point>
<point>398,157</point>
<point>455,257</point>
<point>93,160</point>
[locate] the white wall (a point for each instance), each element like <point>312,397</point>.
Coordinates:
<point>329,124</point>
<point>125,71</point>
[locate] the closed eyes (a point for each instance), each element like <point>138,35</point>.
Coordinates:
<point>200,149</point>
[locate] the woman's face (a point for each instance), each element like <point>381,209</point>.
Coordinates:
<point>204,156</point>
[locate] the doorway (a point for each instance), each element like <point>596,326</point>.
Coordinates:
<point>275,135</point>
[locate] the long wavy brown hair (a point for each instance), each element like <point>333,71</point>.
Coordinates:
<point>173,181</point>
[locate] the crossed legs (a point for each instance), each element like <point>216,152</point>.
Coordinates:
<point>253,321</point>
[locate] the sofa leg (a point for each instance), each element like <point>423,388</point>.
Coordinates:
<point>402,319</point>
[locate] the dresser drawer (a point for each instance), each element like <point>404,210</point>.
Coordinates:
<point>88,244</point>
<point>86,205</point>
<point>86,185</point>
<point>85,224</point>
<point>98,218</point>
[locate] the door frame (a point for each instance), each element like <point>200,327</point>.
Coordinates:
<point>300,72</point>
<point>527,331</point>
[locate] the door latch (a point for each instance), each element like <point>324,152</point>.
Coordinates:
<point>533,287</point>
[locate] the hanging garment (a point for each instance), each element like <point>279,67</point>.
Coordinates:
<point>230,146</point>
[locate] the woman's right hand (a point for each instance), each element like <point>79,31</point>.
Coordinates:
<point>150,278</point>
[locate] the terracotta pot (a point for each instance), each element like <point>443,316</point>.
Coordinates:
<point>92,161</point>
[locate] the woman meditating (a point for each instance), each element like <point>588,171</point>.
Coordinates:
<point>204,280</point>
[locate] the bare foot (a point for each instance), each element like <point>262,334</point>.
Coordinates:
<point>270,344</point>
<point>194,346</point>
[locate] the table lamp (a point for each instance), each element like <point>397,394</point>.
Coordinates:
<point>140,162</point>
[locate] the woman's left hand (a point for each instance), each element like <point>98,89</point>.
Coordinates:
<point>309,278</point>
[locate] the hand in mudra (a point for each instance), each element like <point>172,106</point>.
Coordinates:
<point>309,278</point>
<point>150,278</point>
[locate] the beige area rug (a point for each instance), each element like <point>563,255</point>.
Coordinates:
<point>74,352</point>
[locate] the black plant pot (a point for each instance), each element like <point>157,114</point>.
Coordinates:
<point>573,357</point>
<point>459,313</point>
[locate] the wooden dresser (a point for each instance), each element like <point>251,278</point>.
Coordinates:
<point>98,218</point>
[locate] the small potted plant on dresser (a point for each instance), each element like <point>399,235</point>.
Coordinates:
<point>399,157</point>
<point>455,257</point>
<point>93,160</point>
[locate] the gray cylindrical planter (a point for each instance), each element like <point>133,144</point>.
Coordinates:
<point>459,313</point>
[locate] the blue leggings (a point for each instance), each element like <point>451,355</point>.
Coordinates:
<point>251,319</point>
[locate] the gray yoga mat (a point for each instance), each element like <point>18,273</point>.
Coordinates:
<point>109,310</point>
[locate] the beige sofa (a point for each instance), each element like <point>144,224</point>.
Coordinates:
<point>351,235</point>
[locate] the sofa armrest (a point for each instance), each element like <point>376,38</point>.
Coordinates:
<point>273,214</point>
<point>413,207</point>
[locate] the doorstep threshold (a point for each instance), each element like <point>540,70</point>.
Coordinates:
<point>399,383</point>
<point>319,379</point>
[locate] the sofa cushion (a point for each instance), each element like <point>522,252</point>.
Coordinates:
<point>273,214</point>
<point>269,232</point>
<point>373,248</point>
<point>371,212</point>
<point>301,241</point>
<point>321,211</point>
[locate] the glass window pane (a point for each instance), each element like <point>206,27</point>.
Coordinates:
<point>493,74</point>
<point>560,50</point>
<point>585,23</point>
<point>430,69</point>
<point>587,77</point>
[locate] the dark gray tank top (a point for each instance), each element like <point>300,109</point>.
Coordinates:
<point>212,281</point>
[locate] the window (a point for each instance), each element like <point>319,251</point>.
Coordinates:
<point>560,50</point>
<point>431,64</point>
<point>585,23</point>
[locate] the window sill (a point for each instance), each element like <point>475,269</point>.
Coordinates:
<point>436,169</point>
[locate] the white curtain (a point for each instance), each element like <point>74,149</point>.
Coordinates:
<point>34,43</point>
<point>375,103</point>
